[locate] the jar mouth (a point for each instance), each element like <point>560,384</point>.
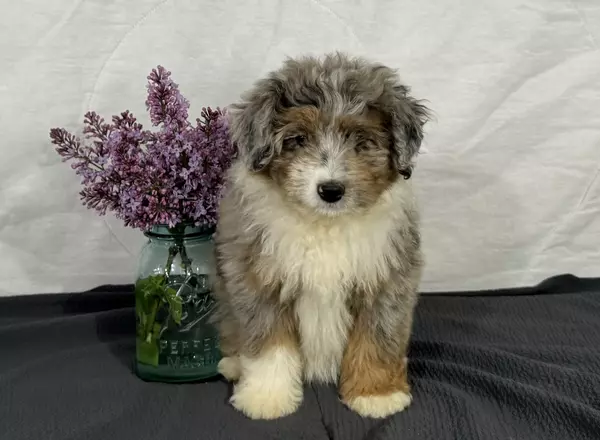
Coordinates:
<point>186,231</point>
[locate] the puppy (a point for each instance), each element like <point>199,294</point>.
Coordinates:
<point>317,247</point>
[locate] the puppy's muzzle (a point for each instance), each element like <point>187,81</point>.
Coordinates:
<point>331,192</point>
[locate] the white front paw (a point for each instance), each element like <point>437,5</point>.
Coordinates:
<point>380,406</point>
<point>261,400</point>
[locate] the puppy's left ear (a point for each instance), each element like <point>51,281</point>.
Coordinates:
<point>252,122</point>
<point>406,118</point>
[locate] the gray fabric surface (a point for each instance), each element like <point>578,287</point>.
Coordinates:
<point>517,364</point>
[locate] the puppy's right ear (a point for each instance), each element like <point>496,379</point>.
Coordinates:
<point>252,123</point>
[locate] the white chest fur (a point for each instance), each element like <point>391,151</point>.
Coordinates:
<point>323,323</point>
<point>319,261</point>
<point>326,262</point>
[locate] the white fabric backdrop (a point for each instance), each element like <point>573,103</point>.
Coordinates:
<point>508,178</point>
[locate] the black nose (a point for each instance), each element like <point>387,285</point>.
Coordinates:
<point>331,192</point>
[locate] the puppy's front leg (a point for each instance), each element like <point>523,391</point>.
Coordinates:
<point>373,380</point>
<point>270,384</point>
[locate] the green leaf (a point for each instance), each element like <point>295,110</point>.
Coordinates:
<point>175,305</point>
<point>146,289</point>
<point>151,283</point>
<point>148,292</point>
<point>156,329</point>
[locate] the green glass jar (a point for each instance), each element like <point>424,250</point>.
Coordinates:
<point>174,340</point>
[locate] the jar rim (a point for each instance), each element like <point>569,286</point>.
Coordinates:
<point>186,231</point>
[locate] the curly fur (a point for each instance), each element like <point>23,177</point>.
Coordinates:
<point>308,289</point>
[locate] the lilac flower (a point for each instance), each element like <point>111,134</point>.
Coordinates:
<point>169,176</point>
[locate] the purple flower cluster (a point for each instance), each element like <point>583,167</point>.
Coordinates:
<point>169,176</point>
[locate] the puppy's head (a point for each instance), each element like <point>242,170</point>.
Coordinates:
<point>331,134</point>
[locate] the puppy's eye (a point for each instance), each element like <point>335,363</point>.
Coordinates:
<point>294,141</point>
<point>300,140</point>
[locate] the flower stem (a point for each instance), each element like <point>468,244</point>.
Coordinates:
<point>178,232</point>
<point>185,260</point>
<point>172,253</point>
